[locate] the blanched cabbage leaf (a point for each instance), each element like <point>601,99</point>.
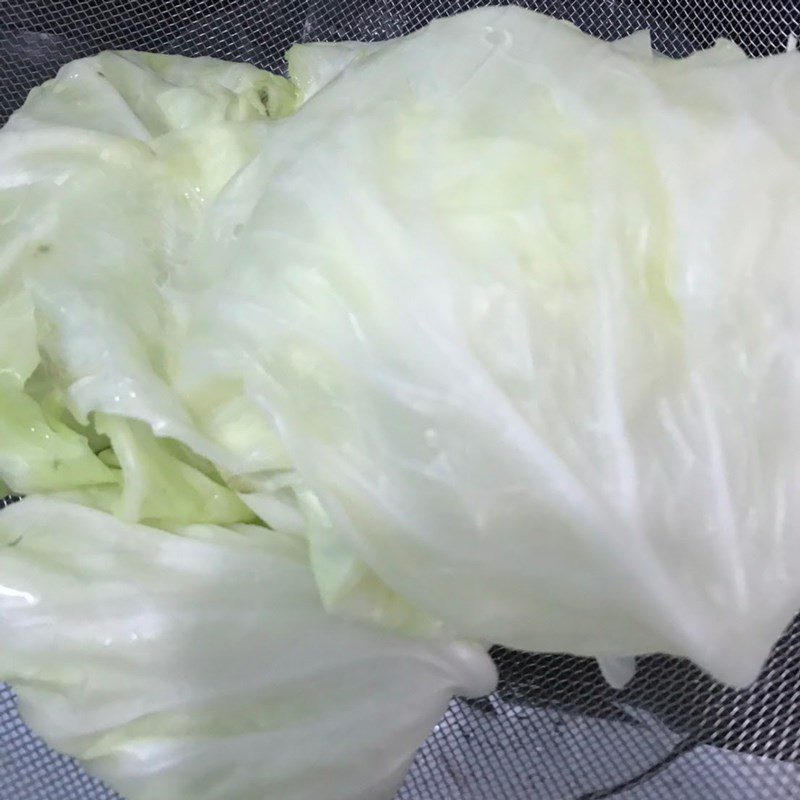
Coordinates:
<point>105,177</point>
<point>202,665</point>
<point>522,307</point>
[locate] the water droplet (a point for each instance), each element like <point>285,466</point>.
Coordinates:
<point>498,38</point>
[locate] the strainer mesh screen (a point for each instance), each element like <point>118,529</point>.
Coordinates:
<point>554,730</point>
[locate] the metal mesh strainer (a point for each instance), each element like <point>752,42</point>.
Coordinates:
<point>554,730</point>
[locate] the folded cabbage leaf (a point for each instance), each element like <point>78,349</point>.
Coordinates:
<point>521,305</point>
<point>201,665</point>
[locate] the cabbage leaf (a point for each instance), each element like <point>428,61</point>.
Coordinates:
<point>521,306</point>
<point>201,664</point>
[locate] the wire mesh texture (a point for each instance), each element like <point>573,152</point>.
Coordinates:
<point>554,730</point>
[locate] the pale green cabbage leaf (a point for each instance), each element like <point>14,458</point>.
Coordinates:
<point>522,307</point>
<point>106,174</point>
<point>201,664</point>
